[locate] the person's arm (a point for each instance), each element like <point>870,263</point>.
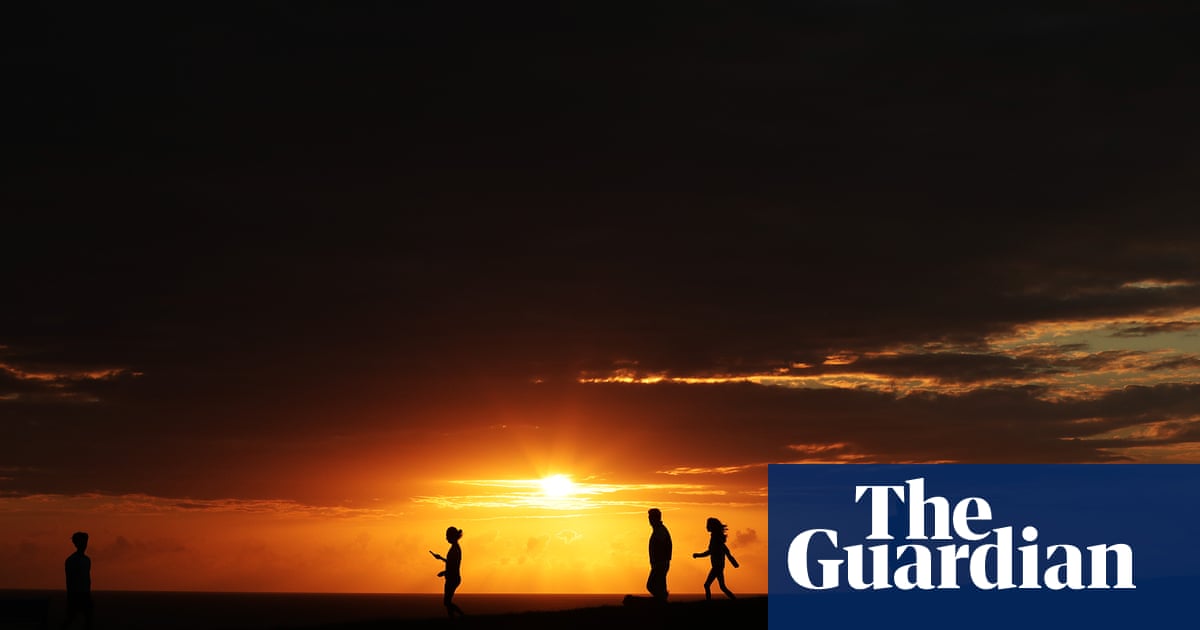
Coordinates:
<point>732,560</point>
<point>706,552</point>
<point>437,556</point>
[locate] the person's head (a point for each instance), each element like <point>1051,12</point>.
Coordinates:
<point>80,540</point>
<point>655,516</point>
<point>453,534</point>
<point>715,526</point>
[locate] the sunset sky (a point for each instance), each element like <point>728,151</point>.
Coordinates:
<point>287,291</point>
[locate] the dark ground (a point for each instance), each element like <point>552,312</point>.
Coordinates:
<point>746,612</point>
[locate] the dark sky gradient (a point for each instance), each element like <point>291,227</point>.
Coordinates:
<point>234,239</point>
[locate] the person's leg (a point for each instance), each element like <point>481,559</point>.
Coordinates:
<point>721,582</point>
<point>712,575</point>
<point>75,607</point>
<point>448,598</point>
<point>652,582</point>
<point>657,582</point>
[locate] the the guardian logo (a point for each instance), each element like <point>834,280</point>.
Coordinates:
<point>960,545</point>
<point>983,546</point>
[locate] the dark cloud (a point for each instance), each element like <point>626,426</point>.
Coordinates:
<point>1175,364</point>
<point>1143,330</point>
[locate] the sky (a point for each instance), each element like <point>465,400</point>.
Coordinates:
<point>289,290</point>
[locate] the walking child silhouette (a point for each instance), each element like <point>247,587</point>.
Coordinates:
<point>717,551</point>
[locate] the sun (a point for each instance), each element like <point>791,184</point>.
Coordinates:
<point>558,486</point>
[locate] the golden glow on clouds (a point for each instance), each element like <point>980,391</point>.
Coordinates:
<point>1180,453</point>
<point>553,497</point>
<point>1066,359</point>
<point>45,376</point>
<point>840,359</point>
<point>1158,284</point>
<point>814,449</point>
<point>716,470</point>
<point>1102,331</point>
<point>633,377</point>
<point>57,385</point>
<point>1150,431</point>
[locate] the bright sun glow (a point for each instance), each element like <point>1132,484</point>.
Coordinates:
<point>558,486</point>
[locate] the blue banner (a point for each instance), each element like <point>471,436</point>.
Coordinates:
<point>983,546</point>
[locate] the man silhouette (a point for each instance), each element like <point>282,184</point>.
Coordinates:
<point>79,582</point>
<point>660,556</point>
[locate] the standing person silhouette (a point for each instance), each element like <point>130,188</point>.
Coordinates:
<point>453,572</point>
<point>79,582</point>
<point>716,553</point>
<point>660,556</point>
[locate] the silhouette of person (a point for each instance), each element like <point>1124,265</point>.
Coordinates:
<point>79,582</point>
<point>660,556</point>
<point>717,551</point>
<point>453,572</point>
